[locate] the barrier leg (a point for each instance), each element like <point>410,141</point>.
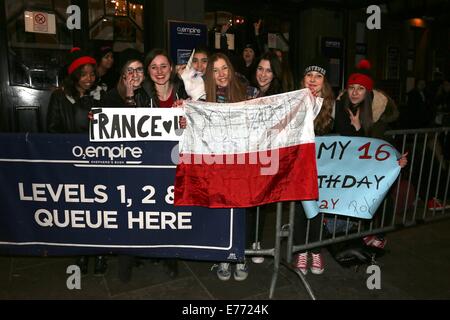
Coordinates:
<point>276,257</point>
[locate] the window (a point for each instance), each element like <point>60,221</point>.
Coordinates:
<point>35,58</point>
<point>118,21</point>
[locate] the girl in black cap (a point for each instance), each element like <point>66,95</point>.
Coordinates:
<point>315,78</point>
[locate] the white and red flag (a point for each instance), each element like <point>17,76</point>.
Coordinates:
<point>249,153</point>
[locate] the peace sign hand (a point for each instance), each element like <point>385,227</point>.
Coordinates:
<point>354,119</point>
<point>128,80</point>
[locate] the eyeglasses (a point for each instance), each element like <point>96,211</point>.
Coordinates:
<point>132,70</point>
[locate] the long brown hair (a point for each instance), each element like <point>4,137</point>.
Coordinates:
<point>121,89</point>
<point>148,60</point>
<point>323,123</point>
<point>365,110</point>
<point>275,85</point>
<point>236,91</point>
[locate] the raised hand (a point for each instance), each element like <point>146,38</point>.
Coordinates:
<point>403,161</point>
<point>257,26</point>
<point>129,84</point>
<point>354,119</point>
<point>314,93</point>
<point>193,81</point>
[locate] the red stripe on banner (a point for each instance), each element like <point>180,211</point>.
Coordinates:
<point>235,181</point>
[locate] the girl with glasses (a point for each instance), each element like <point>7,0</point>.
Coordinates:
<point>128,91</point>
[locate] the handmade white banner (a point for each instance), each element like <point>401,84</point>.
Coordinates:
<point>135,124</point>
<point>248,153</point>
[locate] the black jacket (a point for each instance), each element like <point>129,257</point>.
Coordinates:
<point>384,112</point>
<point>178,89</point>
<point>113,99</point>
<point>66,115</point>
<point>108,81</point>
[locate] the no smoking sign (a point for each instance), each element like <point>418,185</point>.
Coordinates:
<point>40,22</point>
<point>40,18</point>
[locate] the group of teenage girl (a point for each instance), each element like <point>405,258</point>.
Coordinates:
<point>154,81</point>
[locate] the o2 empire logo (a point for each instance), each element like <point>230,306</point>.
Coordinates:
<point>188,31</point>
<point>108,155</point>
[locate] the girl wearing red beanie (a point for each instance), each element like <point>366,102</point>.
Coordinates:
<point>363,111</point>
<point>68,112</point>
<point>70,105</point>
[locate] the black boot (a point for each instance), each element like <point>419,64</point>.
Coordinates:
<point>171,267</point>
<point>82,263</point>
<point>125,267</point>
<point>100,265</point>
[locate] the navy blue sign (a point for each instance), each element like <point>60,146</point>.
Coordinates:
<point>61,195</point>
<point>183,37</point>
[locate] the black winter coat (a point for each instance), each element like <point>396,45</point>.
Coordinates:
<point>67,115</point>
<point>113,99</point>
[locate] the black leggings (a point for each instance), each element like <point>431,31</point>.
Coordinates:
<point>250,222</point>
<point>300,225</point>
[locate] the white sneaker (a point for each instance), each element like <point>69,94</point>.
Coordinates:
<point>223,272</point>
<point>257,259</point>
<point>241,272</point>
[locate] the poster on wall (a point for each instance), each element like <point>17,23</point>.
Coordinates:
<point>39,22</point>
<point>332,48</point>
<point>183,37</point>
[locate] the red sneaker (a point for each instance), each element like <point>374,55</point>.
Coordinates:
<point>435,204</point>
<point>301,262</point>
<point>374,241</point>
<point>317,263</point>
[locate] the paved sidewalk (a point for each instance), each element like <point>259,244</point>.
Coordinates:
<point>415,267</point>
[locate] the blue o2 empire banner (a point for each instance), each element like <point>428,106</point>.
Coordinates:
<point>183,37</point>
<point>62,195</point>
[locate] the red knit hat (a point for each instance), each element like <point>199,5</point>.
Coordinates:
<point>362,75</point>
<point>78,58</point>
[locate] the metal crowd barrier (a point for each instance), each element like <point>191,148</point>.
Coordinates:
<point>407,204</point>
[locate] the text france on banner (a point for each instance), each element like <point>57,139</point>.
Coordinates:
<point>354,175</point>
<point>248,154</point>
<point>62,195</point>
<point>135,124</point>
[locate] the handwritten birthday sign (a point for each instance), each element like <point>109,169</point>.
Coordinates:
<point>354,175</point>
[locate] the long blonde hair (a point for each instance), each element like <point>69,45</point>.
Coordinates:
<point>236,91</point>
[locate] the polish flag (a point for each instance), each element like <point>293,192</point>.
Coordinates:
<point>248,153</point>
